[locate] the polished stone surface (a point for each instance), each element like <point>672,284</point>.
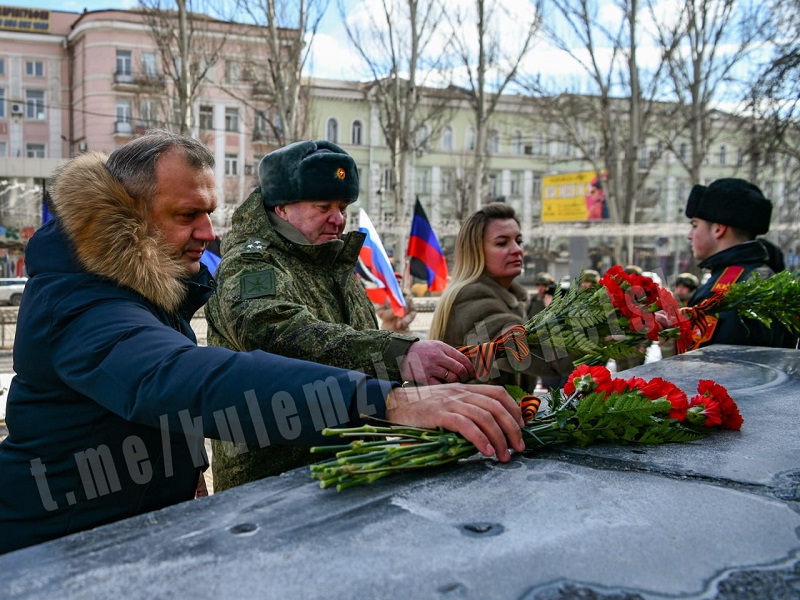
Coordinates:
<point>718,518</point>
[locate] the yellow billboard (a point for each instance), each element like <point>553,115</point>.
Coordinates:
<point>32,20</point>
<point>573,197</point>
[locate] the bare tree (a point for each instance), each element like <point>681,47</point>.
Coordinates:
<point>490,62</point>
<point>395,47</point>
<point>278,94</point>
<point>773,106</point>
<point>190,44</point>
<point>611,124</point>
<point>706,43</point>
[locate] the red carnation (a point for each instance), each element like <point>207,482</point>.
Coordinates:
<point>658,388</point>
<point>708,407</point>
<point>599,375</point>
<point>633,296</point>
<point>731,418</point>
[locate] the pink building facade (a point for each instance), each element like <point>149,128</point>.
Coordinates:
<point>75,82</point>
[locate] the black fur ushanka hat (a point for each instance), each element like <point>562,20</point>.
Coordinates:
<point>733,202</point>
<point>308,170</point>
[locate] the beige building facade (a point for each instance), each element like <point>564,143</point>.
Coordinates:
<point>76,82</point>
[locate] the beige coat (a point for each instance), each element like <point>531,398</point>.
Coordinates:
<point>483,310</point>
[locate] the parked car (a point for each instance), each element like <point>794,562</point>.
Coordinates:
<point>11,290</point>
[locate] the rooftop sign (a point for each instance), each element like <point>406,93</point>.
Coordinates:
<point>32,20</point>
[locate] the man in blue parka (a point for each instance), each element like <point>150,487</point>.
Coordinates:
<point>112,397</point>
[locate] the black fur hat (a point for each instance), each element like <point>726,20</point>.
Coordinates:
<point>308,170</point>
<point>733,202</point>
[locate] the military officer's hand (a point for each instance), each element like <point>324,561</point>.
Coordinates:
<point>484,414</point>
<point>431,361</point>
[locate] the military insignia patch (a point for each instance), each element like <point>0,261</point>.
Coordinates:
<point>341,173</point>
<point>258,284</point>
<point>254,247</point>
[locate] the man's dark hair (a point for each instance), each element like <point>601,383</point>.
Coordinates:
<point>134,164</point>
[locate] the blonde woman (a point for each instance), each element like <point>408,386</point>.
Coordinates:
<point>482,300</point>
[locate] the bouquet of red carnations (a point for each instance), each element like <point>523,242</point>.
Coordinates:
<point>592,408</point>
<point>616,317</point>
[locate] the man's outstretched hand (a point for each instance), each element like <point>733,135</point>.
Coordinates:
<point>484,414</point>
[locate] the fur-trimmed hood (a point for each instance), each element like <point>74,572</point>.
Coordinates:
<point>110,233</point>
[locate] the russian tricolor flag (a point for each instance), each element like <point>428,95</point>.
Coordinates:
<point>426,258</point>
<point>375,269</point>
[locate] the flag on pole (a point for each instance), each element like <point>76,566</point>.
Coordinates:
<point>424,253</point>
<point>375,270</point>
<point>211,257</point>
<point>46,213</point>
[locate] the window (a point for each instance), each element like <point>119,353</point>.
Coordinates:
<point>682,151</point>
<point>469,139</point>
<point>722,156</point>
<point>388,180</point>
<point>2,103</point>
<point>207,69</point>
<point>3,150</point>
<point>422,181</point>
<point>148,64</point>
<point>231,119</point>
<point>123,111</point>
<point>356,133</point>
<point>232,72</point>
<point>332,131</point>
<point>682,195</point>
<point>492,185</point>
<point>2,67</point>
<point>643,156</point>
<point>447,139</point>
<point>206,118</point>
<point>34,105</point>
<point>493,143</point>
<point>34,150</point>
<point>123,124</point>
<point>124,62</point>
<point>515,186</point>
<point>447,182</point>
<point>593,146</point>
<point>231,164</point>
<point>538,144</point>
<point>148,112</point>
<point>34,68</point>
<point>422,138</point>
<point>261,125</point>
<point>516,143</point>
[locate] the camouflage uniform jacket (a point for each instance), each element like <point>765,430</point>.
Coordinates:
<point>298,300</point>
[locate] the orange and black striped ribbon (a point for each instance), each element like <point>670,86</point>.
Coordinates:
<point>484,355</point>
<point>529,405</point>
<point>699,320</point>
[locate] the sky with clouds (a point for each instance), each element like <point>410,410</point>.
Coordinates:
<point>332,55</point>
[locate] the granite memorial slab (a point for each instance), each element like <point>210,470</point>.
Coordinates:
<point>717,518</point>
